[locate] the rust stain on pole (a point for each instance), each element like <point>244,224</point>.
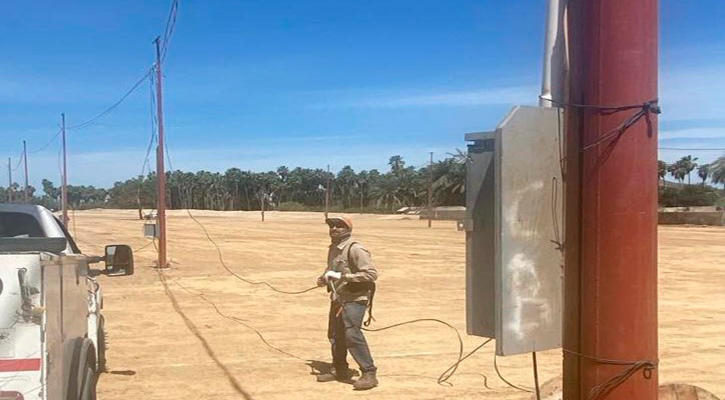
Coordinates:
<point>160,169</point>
<point>611,246</point>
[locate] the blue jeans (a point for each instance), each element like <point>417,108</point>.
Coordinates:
<point>345,334</point>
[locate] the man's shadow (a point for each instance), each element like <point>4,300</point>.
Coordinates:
<point>323,367</point>
<point>319,367</point>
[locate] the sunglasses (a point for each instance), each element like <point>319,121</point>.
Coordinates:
<point>337,224</point>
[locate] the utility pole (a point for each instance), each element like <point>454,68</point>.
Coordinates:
<point>430,191</point>
<point>25,160</point>
<point>10,182</point>
<point>264,198</point>
<point>160,170</point>
<point>64,189</point>
<point>610,279</point>
<point>327,192</point>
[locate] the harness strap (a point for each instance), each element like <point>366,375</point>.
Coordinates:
<point>371,290</point>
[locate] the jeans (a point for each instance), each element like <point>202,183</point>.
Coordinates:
<point>345,334</point>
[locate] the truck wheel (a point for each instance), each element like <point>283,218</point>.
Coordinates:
<point>101,344</point>
<point>88,390</point>
<point>71,367</point>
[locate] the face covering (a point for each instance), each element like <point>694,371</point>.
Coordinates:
<point>339,236</point>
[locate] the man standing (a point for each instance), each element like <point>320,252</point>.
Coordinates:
<point>350,277</point>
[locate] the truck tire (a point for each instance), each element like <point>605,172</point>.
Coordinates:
<point>88,388</point>
<point>72,350</point>
<point>101,344</point>
<point>80,369</point>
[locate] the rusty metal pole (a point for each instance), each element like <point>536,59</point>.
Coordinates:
<point>25,160</point>
<point>610,299</point>
<point>64,189</point>
<point>327,192</point>
<point>160,170</point>
<point>10,182</point>
<point>430,191</point>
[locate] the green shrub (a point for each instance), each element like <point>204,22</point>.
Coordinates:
<point>688,196</point>
<point>292,206</point>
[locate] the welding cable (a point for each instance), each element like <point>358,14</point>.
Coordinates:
<point>150,242</point>
<point>495,367</point>
<point>223,263</point>
<point>232,318</point>
<point>448,373</point>
<point>536,375</point>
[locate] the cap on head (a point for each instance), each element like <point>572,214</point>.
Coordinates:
<point>344,219</point>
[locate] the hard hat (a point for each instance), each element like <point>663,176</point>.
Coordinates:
<point>343,218</point>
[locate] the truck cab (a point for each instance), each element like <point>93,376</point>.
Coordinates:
<point>52,337</point>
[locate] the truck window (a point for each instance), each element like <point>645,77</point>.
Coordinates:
<point>72,242</point>
<point>19,225</point>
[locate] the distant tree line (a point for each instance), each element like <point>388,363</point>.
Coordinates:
<point>302,189</point>
<point>282,189</point>
<point>683,195</point>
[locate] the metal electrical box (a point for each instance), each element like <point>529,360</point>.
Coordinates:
<point>514,266</point>
<point>150,230</point>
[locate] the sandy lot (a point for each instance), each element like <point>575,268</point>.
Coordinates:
<point>170,342</point>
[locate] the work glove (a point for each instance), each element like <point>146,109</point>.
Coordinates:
<point>334,275</point>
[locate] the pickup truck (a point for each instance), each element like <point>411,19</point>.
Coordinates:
<point>52,338</point>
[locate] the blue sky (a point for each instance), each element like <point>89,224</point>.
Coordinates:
<point>259,84</point>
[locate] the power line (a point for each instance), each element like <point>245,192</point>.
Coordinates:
<point>20,161</point>
<point>43,147</point>
<point>114,105</point>
<point>692,149</point>
<point>169,30</point>
<point>152,102</point>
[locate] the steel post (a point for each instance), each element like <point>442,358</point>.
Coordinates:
<point>610,299</point>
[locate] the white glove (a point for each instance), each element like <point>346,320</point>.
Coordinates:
<point>334,275</point>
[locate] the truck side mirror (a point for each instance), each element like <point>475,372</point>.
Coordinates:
<point>119,260</point>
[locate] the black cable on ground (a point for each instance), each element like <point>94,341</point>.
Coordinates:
<point>223,263</point>
<point>145,246</point>
<point>495,366</point>
<point>536,376</point>
<point>234,319</point>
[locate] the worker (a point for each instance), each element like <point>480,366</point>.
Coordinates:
<point>350,276</point>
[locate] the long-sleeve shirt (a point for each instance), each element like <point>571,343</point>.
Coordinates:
<point>362,265</point>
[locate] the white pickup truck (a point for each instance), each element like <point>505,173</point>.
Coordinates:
<point>52,339</point>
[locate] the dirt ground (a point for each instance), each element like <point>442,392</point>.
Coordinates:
<point>182,341</point>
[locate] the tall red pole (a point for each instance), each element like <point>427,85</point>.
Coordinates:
<point>327,192</point>
<point>160,170</point>
<point>64,189</point>
<point>25,160</point>
<point>10,181</point>
<point>610,300</point>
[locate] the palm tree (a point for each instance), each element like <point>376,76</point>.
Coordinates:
<point>703,172</point>
<point>396,164</point>
<point>688,164</point>
<point>717,170</point>
<point>677,171</point>
<point>662,171</point>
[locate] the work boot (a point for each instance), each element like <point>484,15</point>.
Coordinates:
<point>333,375</point>
<point>367,381</point>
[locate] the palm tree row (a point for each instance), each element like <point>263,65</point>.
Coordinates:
<point>683,168</point>
<point>305,188</point>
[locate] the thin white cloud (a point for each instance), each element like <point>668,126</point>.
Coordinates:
<point>467,98</point>
<point>693,133</point>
